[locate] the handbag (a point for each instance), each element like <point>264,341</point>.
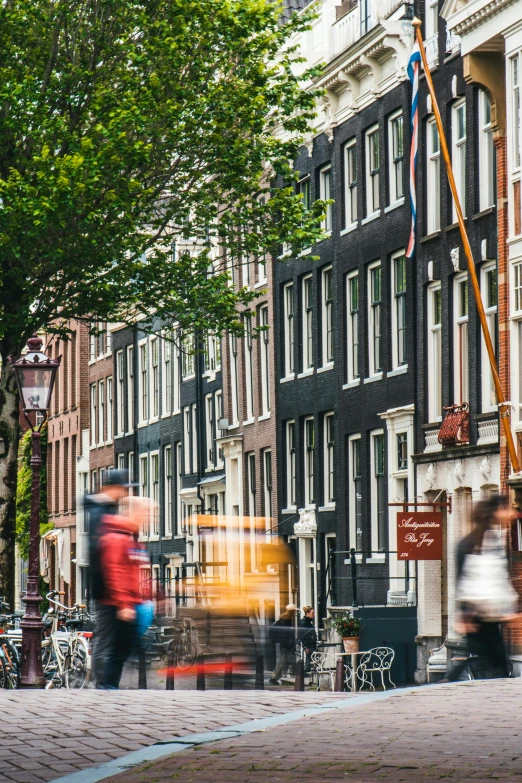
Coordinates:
<point>144,616</point>
<point>484,586</point>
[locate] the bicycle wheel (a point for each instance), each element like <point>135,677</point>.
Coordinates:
<point>3,671</point>
<point>186,655</point>
<point>76,667</point>
<point>11,667</point>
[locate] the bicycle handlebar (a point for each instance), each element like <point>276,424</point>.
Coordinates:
<point>51,600</point>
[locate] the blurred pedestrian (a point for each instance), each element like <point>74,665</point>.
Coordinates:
<point>121,559</point>
<point>283,631</point>
<point>307,635</point>
<point>485,596</point>
<point>96,508</point>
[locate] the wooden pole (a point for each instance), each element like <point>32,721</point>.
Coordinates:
<point>503,408</point>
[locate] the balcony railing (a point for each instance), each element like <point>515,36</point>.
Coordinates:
<point>452,42</point>
<point>349,27</point>
<point>431,46</point>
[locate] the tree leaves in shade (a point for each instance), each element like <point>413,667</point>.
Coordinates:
<point>23,492</point>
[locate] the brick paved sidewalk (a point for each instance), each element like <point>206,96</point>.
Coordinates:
<point>456,733</point>
<point>47,734</point>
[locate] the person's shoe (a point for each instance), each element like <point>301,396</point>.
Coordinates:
<point>273,682</point>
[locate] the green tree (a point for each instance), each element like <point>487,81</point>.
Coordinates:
<point>124,123</point>
<point>23,491</point>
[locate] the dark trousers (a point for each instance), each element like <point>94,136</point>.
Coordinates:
<point>103,633</point>
<point>487,644</point>
<point>123,640</point>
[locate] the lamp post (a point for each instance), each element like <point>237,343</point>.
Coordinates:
<point>35,373</point>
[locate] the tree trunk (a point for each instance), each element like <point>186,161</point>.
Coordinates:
<point>9,437</point>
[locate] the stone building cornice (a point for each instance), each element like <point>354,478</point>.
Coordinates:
<point>463,17</point>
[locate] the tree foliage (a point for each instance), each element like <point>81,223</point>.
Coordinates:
<point>124,123</point>
<point>23,491</point>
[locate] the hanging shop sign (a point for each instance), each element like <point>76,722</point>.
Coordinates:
<point>419,535</point>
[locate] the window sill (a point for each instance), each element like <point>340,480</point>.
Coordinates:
<point>348,229</point>
<point>153,538</point>
<point>306,373</point>
<point>130,432</point>
<point>210,375</point>
<point>166,415</point>
<point>358,559</point>
<point>328,507</point>
<point>398,371</point>
<point>429,237</point>
<point>376,558</point>
<point>371,217</point>
<point>264,417</point>
<point>249,421</point>
<point>327,235</point>
<point>143,424</point>
<point>483,212</point>
<point>325,368</point>
<point>188,378</point>
<point>290,510</point>
<point>119,435</point>
<point>261,283</point>
<point>154,420</point>
<point>373,378</point>
<point>395,205</point>
<point>233,426</point>
<point>352,384</point>
<point>287,378</point>
<point>305,252</point>
<point>453,226</point>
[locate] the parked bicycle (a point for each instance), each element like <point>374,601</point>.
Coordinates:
<point>183,648</point>
<point>9,653</point>
<point>66,656</point>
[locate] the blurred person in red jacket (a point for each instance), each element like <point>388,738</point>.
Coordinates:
<point>121,558</point>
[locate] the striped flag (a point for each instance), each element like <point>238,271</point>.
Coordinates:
<point>413,74</point>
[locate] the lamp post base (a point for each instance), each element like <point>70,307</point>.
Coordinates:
<point>32,627</point>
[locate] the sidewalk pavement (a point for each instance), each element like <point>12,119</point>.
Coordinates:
<point>462,733</point>
<point>47,734</point>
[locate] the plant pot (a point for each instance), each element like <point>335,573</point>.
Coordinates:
<point>351,644</point>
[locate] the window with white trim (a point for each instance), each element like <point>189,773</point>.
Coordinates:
<point>187,430</point>
<point>328,458</point>
<point>308,323</point>
<point>352,336</point>
<point>372,171</point>
<point>290,465</point>
<point>267,485</point>
<point>218,407</point>
<point>209,431</point>
<point>303,189</point>
<point>194,439</point>
<point>401,474</point>
<point>517,286</point>
<point>187,362</point>
<point>130,388</point>
<point>486,153</point>
<point>325,190</point>
<point>374,318</point>
<point>309,447</point>
<point>251,470</point>
<point>458,154</point>
<point>167,488</point>
<point>234,379</point>
<point>144,383</point>
<point>132,472</point>
<point>92,345</point>
<point>120,391</point>
<point>179,509</point>
<point>109,408</point>
<point>327,317</point>
<point>490,300</point>
<point>289,329</point>
<point>249,370</point>
<point>432,18</point>
<point>515,142</point>
<point>154,360</point>
<point>460,336</point>
<point>355,492</point>
<point>176,402</point>
<point>101,412</point>
<point>433,177</point>
<point>93,414</point>
<point>399,335</point>
<point>378,498</point>
<point>396,157</point>
<point>144,490</point>
<point>350,184</point>
<point>166,403</point>
<point>155,490</point>
<point>434,365</point>
<point>121,464</point>
<point>265,361</point>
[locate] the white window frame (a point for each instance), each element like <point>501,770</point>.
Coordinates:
<point>130,388</point>
<point>433,177</point>
<point>167,489</point>
<point>251,483</point>
<point>460,342</point>
<point>432,18</point>
<point>373,202</point>
<point>399,313</point>
<point>309,461</point>
<point>93,414</point>
<point>249,370</point>
<point>353,374</point>
<point>179,481</point>
<point>374,315</point>
<point>209,432</point>
<point>291,475</point>
<point>188,363</point>
<point>434,354</point>
<point>187,440</point>
<point>121,462</point>
<point>514,124</point>
<point>307,286</point>
<point>154,377</point>
<point>131,466</point>
<point>166,368</point>
<point>110,409</point>
<point>356,538</point>
<point>458,155</point>
<point>327,321</point>
<point>325,193</point>
<point>101,413</point>
<point>350,185</point>
<point>155,488</point>
<point>395,159</point>
<point>218,409</point>
<point>486,153</point>
<point>120,391</point>
<point>268,490</point>
<point>234,380</point>
<point>194,439</point>
<point>265,361</point>
<point>144,481</point>
<point>289,330</point>
<point>176,388</point>
<point>377,545</point>
<point>329,460</point>
<point>143,373</point>
<point>489,398</point>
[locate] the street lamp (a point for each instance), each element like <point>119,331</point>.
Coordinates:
<point>35,373</point>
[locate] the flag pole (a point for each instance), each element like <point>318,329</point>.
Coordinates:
<point>502,405</point>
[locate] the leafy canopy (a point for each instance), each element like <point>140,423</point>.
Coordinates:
<point>125,123</point>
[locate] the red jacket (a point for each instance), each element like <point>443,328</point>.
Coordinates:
<point>121,557</point>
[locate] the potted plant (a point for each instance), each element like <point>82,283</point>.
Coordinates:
<point>348,627</point>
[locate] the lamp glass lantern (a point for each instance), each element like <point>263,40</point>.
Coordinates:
<point>35,374</point>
